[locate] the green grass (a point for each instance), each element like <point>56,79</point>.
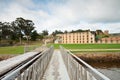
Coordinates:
<point>20,49</point>
<point>12,50</point>
<point>16,49</point>
<point>87,46</point>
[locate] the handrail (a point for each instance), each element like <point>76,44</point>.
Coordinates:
<point>33,69</point>
<point>11,63</point>
<point>82,70</point>
<point>7,65</point>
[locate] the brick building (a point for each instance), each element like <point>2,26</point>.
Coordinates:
<point>115,39</point>
<point>87,36</point>
<point>77,37</point>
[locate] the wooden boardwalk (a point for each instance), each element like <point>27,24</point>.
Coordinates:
<point>48,65</point>
<point>56,69</point>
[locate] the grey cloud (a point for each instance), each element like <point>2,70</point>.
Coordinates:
<point>68,14</point>
<point>96,10</point>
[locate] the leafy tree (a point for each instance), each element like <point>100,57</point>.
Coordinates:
<point>57,32</point>
<point>6,30</point>
<point>34,35</point>
<point>99,32</point>
<point>98,37</point>
<point>17,31</point>
<point>65,31</point>
<point>53,33</point>
<point>79,30</point>
<point>25,27</point>
<point>1,25</point>
<point>104,35</point>
<point>40,36</point>
<point>44,32</point>
<point>28,28</point>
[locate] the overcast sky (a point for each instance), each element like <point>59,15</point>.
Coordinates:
<point>64,14</point>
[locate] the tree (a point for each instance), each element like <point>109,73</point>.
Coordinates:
<point>40,36</point>
<point>19,25</point>
<point>17,30</point>
<point>44,32</point>
<point>57,32</point>
<point>34,35</point>
<point>29,27</point>
<point>54,34</point>
<point>25,27</point>
<point>6,30</point>
<point>65,31</point>
<point>1,25</point>
<point>79,30</point>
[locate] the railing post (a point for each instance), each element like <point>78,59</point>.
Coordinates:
<point>33,69</point>
<point>78,69</point>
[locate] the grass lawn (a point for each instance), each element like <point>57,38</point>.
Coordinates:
<point>90,47</point>
<point>87,46</point>
<point>12,50</point>
<point>16,49</point>
<point>72,47</point>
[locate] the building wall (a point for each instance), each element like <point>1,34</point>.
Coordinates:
<point>110,40</point>
<point>86,37</point>
<point>77,38</point>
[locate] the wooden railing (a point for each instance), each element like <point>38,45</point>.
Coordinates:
<point>78,69</point>
<point>29,66</point>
